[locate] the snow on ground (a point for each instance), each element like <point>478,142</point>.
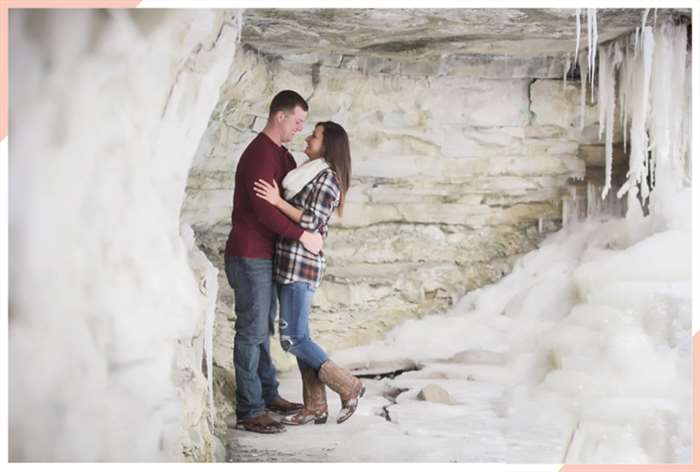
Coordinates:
<point>581,354</point>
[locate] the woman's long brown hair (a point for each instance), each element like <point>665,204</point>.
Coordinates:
<point>336,147</point>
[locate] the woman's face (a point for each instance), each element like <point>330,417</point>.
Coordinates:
<point>314,143</point>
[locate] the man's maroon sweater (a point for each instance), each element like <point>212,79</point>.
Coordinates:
<point>256,223</point>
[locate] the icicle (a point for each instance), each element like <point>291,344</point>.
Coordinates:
<point>590,37</point>
<point>605,105</point>
<point>627,93</point>
<point>567,66</point>
<point>647,55</point>
<point>644,17</point>
<point>595,48</point>
<point>610,59</point>
<point>602,90</point>
<point>679,137</point>
<point>639,170</point>
<point>584,71</point>
<point>621,95</point>
<point>685,147</point>
<point>626,118</point>
<point>578,31</point>
<point>651,152</point>
<point>653,94</point>
<point>667,131</point>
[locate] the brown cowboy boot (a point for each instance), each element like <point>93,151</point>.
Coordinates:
<point>345,384</point>
<point>263,423</point>
<point>315,406</point>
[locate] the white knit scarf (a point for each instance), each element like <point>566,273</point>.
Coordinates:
<point>302,175</point>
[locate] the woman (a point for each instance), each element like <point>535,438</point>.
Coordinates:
<point>311,193</point>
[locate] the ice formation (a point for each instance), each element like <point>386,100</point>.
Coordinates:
<point>633,77</point>
<point>578,31</point>
<point>208,283</point>
<point>610,59</point>
<point>586,62</point>
<point>595,49</point>
<point>592,46</point>
<point>583,352</point>
<point>583,67</point>
<point>103,296</point>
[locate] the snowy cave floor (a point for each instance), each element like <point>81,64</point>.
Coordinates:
<point>581,354</point>
<point>400,428</point>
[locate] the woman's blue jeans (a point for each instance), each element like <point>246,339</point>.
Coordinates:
<point>295,306</point>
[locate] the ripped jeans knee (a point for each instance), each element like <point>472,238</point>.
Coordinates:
<point>286,341</point>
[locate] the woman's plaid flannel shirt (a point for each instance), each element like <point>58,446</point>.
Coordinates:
<point>317,200</point>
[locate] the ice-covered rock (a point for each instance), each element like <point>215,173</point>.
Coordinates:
<point>436,394</point>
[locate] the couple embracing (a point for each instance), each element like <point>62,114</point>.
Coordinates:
<point>274,254</point>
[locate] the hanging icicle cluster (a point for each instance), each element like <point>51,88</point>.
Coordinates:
<point>586,59</point>
<point>647,75</point>
<point>610,60</point>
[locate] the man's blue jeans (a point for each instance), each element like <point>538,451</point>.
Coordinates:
<point>295,306</point>
<point>256,308</point>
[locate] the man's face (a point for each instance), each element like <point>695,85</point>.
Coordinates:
<point>292,123</point>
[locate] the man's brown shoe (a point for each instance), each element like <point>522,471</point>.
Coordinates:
<point>261,424</point>
<point>284,407</point>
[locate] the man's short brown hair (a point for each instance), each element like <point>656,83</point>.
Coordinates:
<point>287,101</point>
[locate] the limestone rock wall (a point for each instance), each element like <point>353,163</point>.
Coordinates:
<point>453,176</point>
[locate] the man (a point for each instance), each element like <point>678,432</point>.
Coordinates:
<point>248,263</point>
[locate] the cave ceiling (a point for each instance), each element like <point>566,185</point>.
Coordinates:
<point>436,33</point>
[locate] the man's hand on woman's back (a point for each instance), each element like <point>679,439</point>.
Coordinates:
<point>313,242</point>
